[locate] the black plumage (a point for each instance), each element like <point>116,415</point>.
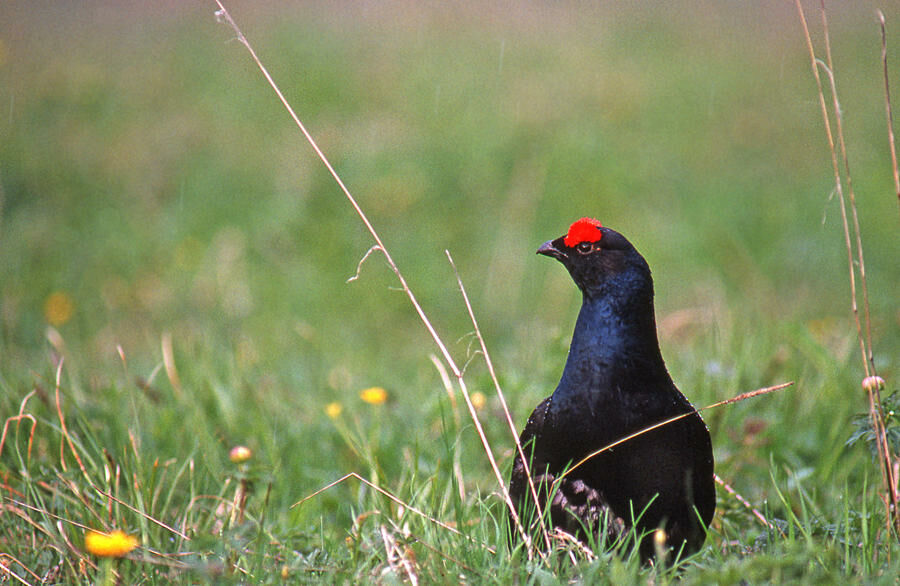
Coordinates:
<point>615,383</point>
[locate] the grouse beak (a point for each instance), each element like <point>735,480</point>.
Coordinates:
<point>549,249</point>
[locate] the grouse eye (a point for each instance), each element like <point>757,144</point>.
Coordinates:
<point>585,247</point>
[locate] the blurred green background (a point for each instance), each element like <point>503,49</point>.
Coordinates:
<point>152,184</point>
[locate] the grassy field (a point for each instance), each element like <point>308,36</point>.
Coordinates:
<point>174,263</point>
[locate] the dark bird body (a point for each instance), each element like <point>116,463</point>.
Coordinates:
<point>614,384</point>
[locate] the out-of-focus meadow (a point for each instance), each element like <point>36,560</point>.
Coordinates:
<point>173,248</point>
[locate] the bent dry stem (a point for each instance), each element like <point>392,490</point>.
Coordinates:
<point>224,16</point>
<point>887,461</point>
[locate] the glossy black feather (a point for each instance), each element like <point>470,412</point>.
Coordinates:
<point>615,383</point>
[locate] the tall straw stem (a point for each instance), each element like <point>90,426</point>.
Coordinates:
<point>855,261</point>
<point>223,15</point>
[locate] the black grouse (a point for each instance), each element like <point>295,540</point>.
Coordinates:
<point>614,384</point>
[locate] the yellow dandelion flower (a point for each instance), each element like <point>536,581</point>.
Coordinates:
<point>109,545</point>
<point>478,400</point>
<point>373,395</point>
<point>240,454</point>
<point>58,308</point>
<point>334,410</point>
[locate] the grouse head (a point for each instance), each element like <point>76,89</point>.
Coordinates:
<point>601,261</point>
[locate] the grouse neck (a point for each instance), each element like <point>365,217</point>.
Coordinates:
<point>614,340</point>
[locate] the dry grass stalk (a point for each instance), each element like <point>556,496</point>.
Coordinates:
<point>871,382</point>
<point>887,105</point>
<point>399,558</point>
<point>512,426</point>
<point>393,498</point>
<point>5,567</point>
<point>18,419</point>
<point>67,439</point>
<point>762,519</point>
<point>736,399</point>
<point>169,362</point>
<point>451,394</point>
<point>139,512</point>
<point>223,15</point>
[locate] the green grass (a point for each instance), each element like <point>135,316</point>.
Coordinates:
<point>149,175</point>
